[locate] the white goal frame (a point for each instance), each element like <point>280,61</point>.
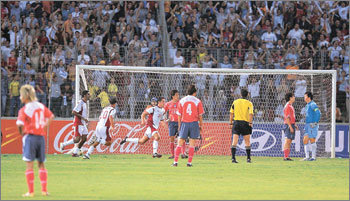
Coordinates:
<point>80,68</point>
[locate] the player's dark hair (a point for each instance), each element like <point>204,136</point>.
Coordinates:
<point>113,100</point>
<point>244,93</point>
<point>84,93</point>
<point>160,99</point>
<point>191,89</point>
<point>173,92</point>
<point>288,96</point>
<point>309,94</point>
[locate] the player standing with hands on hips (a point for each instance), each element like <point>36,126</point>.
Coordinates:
<point>313,115</point>
<point>32,122</point>
<point>242,114</point>
<point>189,113</point>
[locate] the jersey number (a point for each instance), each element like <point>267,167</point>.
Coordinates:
<point>188,109</point>
<point>104,115</point>
<point>39,120</point>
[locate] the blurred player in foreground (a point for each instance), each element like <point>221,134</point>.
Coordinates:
<point>32,122</point>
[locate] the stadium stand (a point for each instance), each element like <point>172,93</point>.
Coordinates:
<point>43,41</point>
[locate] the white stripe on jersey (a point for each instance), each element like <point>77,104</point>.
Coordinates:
<point>82,106</point>
<point>189,98</point>
<point>31,107</point>
<point>158,115</point>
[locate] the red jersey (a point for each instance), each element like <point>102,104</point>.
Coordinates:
<point>33,116</point>
<point>289,112</point>
<point>190,108</point>
<point>172,107</point>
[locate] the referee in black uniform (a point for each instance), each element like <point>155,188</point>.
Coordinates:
<point>241,118</point>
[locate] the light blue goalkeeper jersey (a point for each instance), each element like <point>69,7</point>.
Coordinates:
<point>313,113</point>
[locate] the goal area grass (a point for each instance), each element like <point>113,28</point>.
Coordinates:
<point>141,177</point>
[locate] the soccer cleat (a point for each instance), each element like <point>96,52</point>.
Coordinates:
<point>27,194</point>
<point>249,160</point>
<point>287,159</point>
<point>189,165</point>
<point>312,159</point>
<point>86,156</point>
<point>92,140</point>
<point>183,156</point>
<point>80,153</point>
<point>156,155</point>
<point>75,155</point>
<point>171,157</point>
<point>45,193</point>
<point>234,161</point>
<point>61,147</point>
<point>305,159</point>
<point>123,141</point>
<point>174,164</point>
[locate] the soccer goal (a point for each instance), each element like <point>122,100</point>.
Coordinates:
<point>217,88</point>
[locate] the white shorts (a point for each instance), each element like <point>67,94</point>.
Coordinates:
<point>82,130</point>
<point>102,132</point>
<point>150,131</point>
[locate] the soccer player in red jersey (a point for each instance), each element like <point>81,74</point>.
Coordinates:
<point>106,121</point>
<point>32,122</point>
<point>289,124</point>
<point>79,124</point>
<point>189,113</point>
<point>173,125</point>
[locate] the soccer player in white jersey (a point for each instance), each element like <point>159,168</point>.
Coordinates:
<point>155,116</point>
<point>79,124</point>
<point>106,121</point>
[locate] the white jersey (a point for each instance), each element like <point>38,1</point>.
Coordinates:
<point>80,108</point>
<point>104,117</point>
<point>156,114</point>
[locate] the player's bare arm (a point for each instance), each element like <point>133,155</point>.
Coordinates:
<point>79,115</point>
<point>200,123</point>
<point>20,129</point>
<point>250,119</point>
<point>231,118</point>
<point>179,122</point>
<point>290,125</point>
<point>143,118</point>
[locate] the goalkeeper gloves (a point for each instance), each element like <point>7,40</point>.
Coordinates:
<point>313,125</point>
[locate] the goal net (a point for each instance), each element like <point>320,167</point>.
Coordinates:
<point>134,88</point>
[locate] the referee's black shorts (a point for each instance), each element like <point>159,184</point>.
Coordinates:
<point>241,128</point>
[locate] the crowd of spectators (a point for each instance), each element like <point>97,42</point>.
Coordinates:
<point>42,41</point>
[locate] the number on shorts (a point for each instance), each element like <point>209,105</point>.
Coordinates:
<point>188,109</point>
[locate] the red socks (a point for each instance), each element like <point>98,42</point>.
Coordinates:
<point>30,180</point>
<point>183,148</point>
<point>190,154</point>
<point>172,148</point>
<point>177,153</point>
<point>43,179</point>
<point>286,153</point>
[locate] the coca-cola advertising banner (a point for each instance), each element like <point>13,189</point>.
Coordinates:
<point>267,139</point>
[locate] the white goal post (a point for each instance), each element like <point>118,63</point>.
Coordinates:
<point>216,85</point>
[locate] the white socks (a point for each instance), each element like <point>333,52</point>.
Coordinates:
<point>75,150</point>
<point>313,149</point>
<point>133,140</point>
<point>71,141</point>
<point>155,146</point>
<point>307,149</point>
<point>103,141</point>
<point>91,149</point>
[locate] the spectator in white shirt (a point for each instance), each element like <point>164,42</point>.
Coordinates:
<point>296,33</point>
<point>83,58</point>
<point>334,51</point>
<point>269,38</point>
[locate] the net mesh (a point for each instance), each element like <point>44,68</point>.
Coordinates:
<point>135,88</point>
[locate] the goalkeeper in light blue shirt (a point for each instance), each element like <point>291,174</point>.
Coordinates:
<point>313,116</point>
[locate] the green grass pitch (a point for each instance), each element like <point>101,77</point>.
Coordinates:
<point>134,177</point>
